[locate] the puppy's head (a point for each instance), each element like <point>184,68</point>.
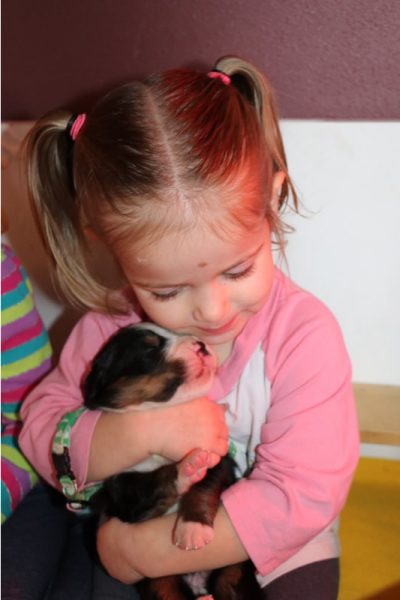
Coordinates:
<point>143,364</point>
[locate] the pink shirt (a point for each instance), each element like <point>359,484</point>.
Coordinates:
<point>291,415</point>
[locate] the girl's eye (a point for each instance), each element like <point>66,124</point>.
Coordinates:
<point>239,274</point>
<point>165,296</point>
<point>233,276</point>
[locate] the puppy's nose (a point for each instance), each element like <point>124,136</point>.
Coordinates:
<point>202,348</point>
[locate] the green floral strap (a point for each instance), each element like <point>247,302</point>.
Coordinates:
<point>62,462</point>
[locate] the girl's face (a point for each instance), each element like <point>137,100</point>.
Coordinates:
<point>197,283</point>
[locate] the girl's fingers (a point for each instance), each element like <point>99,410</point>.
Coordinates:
<point>213,459</point>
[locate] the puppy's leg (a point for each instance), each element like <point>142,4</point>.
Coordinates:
<point>165,588</point>
<point>198,507</point>
<point>191,470</point>
<point>136,496</point>
<point>235,582</point>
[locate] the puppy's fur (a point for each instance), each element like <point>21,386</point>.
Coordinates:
<point>139,367</point>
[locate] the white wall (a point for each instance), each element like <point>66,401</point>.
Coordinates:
<point>346,250</point>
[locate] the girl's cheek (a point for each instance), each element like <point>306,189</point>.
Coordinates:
<point>169,314</point>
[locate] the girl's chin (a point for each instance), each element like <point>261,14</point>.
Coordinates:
<point>217,339</point>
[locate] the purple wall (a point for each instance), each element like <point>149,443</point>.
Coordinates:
<point>326,58</point>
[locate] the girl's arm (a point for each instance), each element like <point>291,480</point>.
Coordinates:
<point>309,444</point>
<point>103,444</point>
<point>122,440</point>
<point>155,555</point>
<point>304,464</point>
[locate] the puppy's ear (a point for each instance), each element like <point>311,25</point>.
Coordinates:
<point>97,380</point>
<point>97,386</point>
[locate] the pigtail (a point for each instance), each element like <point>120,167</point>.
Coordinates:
<point>49,153</point>
<point>257,90</point>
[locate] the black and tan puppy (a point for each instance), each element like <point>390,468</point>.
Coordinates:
<point>140,367</point>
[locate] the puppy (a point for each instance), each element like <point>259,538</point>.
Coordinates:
<point>140,367</point>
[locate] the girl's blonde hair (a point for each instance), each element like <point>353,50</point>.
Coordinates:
<point>149,154</point>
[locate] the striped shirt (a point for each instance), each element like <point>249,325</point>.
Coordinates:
<point>25,358</point>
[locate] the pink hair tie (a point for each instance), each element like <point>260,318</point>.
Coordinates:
<point>218,75</point>
<point>76,125</point>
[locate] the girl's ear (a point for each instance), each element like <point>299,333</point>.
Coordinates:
<point>277,183</point>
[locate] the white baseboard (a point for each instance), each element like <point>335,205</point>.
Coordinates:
<point>380,451</point>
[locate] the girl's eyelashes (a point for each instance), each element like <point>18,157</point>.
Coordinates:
<point>165,296</point>
<point>233,276</point>
<point>239,274</point>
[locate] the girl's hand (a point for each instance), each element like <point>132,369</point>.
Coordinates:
<point>113,539</point>
<point>121,440</point>
<point>130,552</point>
<point>177,429</point>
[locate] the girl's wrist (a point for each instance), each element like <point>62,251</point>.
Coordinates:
<point>140,434</point>
<point>120,441</point>
<point>115,540</point>
<point>146,423</point>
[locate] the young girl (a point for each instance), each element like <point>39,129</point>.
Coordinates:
<point>183,177</point>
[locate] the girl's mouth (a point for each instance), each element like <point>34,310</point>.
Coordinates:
<point>218,330</point>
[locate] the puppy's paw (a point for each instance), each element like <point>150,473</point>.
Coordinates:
<point>191,469</point>
<point>189,535</point>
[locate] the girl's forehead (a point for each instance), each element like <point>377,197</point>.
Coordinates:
<point>185,253</point>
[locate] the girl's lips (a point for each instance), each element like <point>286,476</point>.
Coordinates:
<point>219,330</point>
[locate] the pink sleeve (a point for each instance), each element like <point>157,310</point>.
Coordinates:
<point>309,444</point>
<point>59,393</point>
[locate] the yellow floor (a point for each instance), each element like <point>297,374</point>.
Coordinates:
<point>370,533</point>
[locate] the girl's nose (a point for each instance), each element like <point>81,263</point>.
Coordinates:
<point>211,305</point>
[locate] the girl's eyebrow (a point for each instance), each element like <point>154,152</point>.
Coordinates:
<point>248,257</point>
<point>178,285</point>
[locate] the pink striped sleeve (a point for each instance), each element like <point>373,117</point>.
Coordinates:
<point>11,280</point>
<point>22,336</point>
